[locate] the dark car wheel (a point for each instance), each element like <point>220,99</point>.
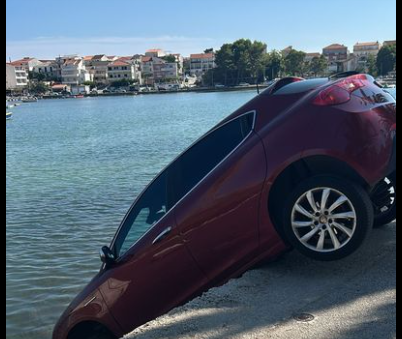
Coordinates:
<point>328,218</point>
<point>101,335</point>
<point>384,201</point>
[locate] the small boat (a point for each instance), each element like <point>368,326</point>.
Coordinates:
<point>29,99</point>
<point>9,115</point>
<point>80,96</point>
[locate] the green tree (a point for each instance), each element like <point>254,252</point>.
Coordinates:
<point>209,50</point>
<point>274,65</point>
<point>34,76</point>
<point>257,57</point>
<point>319,65</point>
<point>90,84</point>
<point>386,60</point>
<point>295,64</point>
<point>225,63</point>
<point>39,88</point>
<point>240,61</point>
<point>372,65</point>
<point>169,58</point>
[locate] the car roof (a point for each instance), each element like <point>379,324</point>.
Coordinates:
<point>301,86</point>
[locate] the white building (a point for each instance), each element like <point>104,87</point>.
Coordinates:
<point>16,77</point>
<point>201,63</point>
<point>124,69</point>
<point>74,72</point>
<point>27,63</point>
<point>156,70</point>
<point>98,66</point>
<point>50,69</point>
<point>365,49</point>
<point>155,53</point>
<point>311,56</point>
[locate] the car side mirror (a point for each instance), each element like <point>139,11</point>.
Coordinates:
<point>107,256</point>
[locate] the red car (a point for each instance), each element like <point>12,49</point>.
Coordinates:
<point>307,164</point>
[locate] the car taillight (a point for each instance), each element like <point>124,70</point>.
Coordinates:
<point>341,92</point>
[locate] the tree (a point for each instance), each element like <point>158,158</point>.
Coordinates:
<point>274,65</point>
<point>294,63</point>
<point>34,76</point>
<point>319,65</point>
<point>372,65</point>
<point>39,88</point>
<point>209,50</point>
<point>257,55</point>
<point>169,58</point>
<point>225,63</point>
<point>90,84</point>
<point>386,60</point>
<point>123,83</point>
<point>240,61</point>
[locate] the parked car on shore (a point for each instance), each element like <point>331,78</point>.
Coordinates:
<point>309,165</point>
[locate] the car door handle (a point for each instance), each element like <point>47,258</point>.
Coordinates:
<point>162,236</point>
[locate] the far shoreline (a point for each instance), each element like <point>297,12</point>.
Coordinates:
<point>193,90</point>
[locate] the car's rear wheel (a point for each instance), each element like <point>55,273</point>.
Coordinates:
<point>384,201</point>
<point>101,335</point>
<point>328,218</point>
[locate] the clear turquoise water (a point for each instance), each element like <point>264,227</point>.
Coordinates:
<point>73,168</point>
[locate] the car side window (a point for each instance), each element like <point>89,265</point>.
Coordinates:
<point>180,178</point>
<point>194,165</point>
<point>149,209</point>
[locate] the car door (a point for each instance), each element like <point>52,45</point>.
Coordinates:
<point>222,178</point>
<point>154,272</point>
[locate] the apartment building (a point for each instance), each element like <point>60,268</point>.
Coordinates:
<point>74,72</point>
<point>50,69</point>
<point>311,56</point>
<point>201,63</point>
<point>26,63</point>
<point>336,52</point>
<point>127,68</point>
<point>16,77</point>
<point>365,49</point>
<point>98,66</point>
<point>155,53</point>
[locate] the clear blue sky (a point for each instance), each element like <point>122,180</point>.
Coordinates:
<point>47,28</point>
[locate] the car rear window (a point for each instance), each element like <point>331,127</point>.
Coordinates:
<point>302,86</point>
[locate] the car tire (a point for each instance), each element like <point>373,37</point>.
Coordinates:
<point>328,218</point>
<point>384,201</point>
<point>101,335</point>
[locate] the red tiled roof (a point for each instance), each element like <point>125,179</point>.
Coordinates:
<point>335,46</point>
<point>98,57</point>
<point>125,58</point>
<point>119,62</point>
<point>367,44</point>
<point>146,59</point>
<point>154,50</point>
<point>313,54</point>
<point>59,86</point>
<point>22,62</point>
<point>202,56</point>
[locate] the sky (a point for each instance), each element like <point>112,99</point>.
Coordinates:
<point>48,28</point>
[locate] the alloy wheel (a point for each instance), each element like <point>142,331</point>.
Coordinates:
<point>324,220</point>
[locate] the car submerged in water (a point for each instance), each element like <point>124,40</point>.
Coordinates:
<point>307,164</point>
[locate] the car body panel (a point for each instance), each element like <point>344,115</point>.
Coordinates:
<point>229,212</point>
<point>135,299</point>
